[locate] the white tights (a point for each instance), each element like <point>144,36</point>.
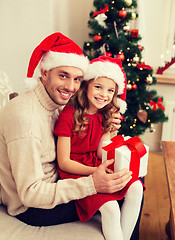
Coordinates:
<point>119,224</point>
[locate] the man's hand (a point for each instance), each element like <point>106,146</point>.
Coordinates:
<point>116,120</point>
<point>110,183</point>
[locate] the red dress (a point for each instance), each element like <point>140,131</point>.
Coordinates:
<point>84,150</point>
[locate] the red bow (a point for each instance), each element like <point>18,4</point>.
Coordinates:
<point>157,104</point>
<point>104,10</point>
<point>143,66</point>
<point>136,147</point>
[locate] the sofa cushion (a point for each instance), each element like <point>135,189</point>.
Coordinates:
<point>13,229</point>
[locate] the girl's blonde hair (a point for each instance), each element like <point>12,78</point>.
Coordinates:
<point>81,105</point>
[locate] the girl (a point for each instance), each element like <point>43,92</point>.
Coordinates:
<point>81,128</point>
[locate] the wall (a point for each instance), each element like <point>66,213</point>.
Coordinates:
<point>23,24</point>
<point>153,139</point>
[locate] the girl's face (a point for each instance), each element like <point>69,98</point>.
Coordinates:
<point>100,93</point>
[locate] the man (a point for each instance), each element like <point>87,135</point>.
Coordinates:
<point>28,175</point>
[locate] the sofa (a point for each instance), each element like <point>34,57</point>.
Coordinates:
<point>13,229</point>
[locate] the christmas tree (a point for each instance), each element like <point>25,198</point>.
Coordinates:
<point>111,35</point>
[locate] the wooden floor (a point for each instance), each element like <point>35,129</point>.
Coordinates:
<point>156,206</point>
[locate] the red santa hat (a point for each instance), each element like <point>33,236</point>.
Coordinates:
<point>54,51</point>
<point>109,67</point>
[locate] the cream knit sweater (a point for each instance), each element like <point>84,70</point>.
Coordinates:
<point>28,174</point>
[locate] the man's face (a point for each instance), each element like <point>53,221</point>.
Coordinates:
<point>61,83</point>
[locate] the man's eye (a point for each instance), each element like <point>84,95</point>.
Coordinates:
<point>62,76</point>
<point>77,79</point>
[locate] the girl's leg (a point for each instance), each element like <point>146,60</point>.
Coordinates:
<point>110,215</point>
<point>131,208</point>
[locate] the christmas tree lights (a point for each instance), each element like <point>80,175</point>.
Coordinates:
<point>111,34</point>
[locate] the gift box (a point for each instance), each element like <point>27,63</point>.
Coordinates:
<point>128,152</point>
<point>134,33</point>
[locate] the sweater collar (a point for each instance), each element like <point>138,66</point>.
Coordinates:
<point>45,99</point>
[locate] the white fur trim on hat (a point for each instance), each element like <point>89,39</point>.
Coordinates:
<point>56,59</point>
<point>122,104</point>
<point>30,84</point>
<point>106,69</point>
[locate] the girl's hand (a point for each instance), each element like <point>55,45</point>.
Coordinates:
<point>116,120</point>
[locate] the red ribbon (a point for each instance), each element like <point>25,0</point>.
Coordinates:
<point>157,104</point>
<point>143,66</point>
<point>104,10</point>
<point>136,147</point>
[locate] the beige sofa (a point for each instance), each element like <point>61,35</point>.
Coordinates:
<point>13,229</point>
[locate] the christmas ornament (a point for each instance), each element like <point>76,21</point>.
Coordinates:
<point>156,105</point>
<point>128,2</point>
<point>136,58</point>
<point>134,33</point>
<point>140,48</point>
<point>121,55</point>
<point>133,16</point>
<point>115,28</point>
<point>129,86</point>
<point>122,13</point>
<point>97,38</point>
<point>149,79</point>
<point>126,28</point>
<point>143,66</point>
<point>105,50</point>
<point>134,86</point>
<point>109,54</point>
<point>102,11</point>
<point>100,19</point>
<point>142,115</point>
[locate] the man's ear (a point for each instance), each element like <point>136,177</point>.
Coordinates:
<point>44,75</point>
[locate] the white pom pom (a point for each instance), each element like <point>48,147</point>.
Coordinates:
<point>122,104</point>
<point>30,84</point>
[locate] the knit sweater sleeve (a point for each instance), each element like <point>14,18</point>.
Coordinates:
<point>24,155</point>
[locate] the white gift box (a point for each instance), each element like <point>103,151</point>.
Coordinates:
<point>123,156</point>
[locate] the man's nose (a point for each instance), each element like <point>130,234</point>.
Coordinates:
<point>70,85</point>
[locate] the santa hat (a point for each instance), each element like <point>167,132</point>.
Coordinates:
<point>54,51</point>
<point>105,66</point>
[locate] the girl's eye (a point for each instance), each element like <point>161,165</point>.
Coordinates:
<point>111,90</point>
<point>98,87</point>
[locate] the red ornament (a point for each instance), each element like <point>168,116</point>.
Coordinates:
<point>134,86</point>
<point>122,13</point>
<point>108,54</point>
<point>134,33</point>
<point>140,47</point>
<point>121,56</point>
<point>97,38</point>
